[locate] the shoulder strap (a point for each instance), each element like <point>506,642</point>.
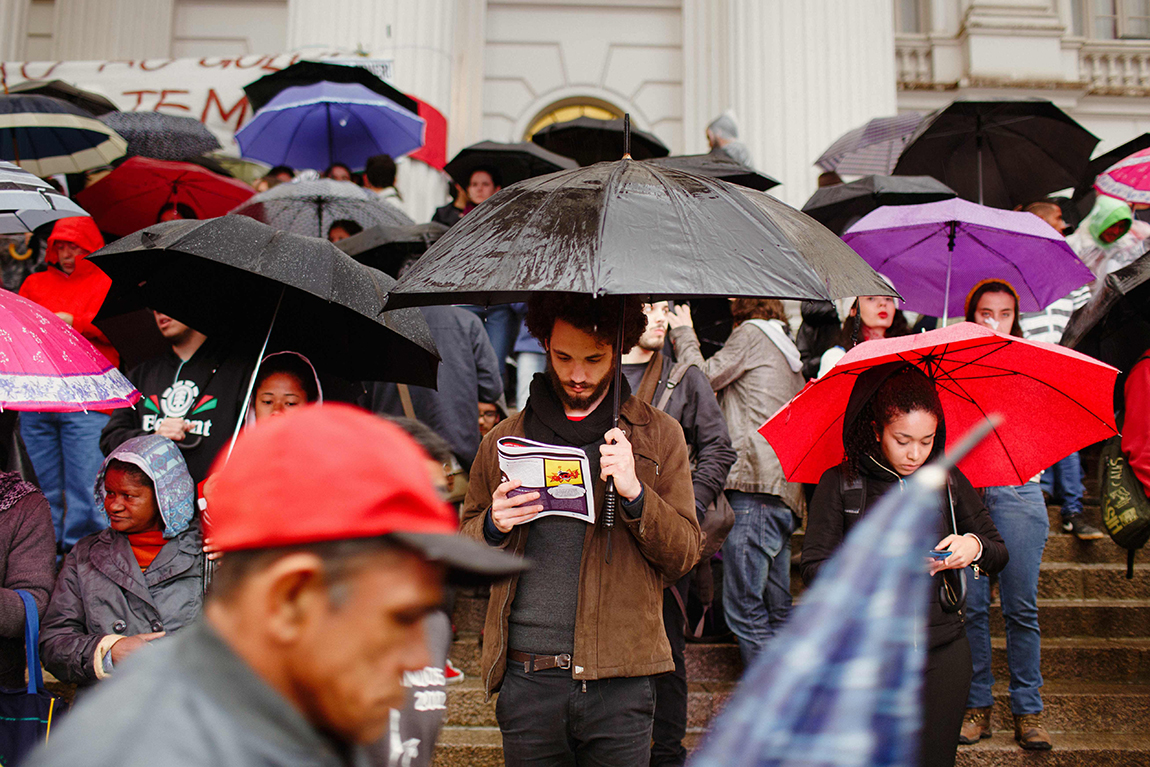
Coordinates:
<point>405,400</point>
<point>32,642</point>
<point>673,378</point>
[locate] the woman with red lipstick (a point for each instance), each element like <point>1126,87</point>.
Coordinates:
<point>870,317</point>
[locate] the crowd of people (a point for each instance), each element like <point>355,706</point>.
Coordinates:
<point>260,563</point>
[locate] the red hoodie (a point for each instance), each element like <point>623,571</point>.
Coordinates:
<point>80,293</point>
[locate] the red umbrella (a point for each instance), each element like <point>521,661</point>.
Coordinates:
<point>130,197</point>
<point>1053,401</point>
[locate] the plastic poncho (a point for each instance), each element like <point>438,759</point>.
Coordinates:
<point>161,460</point>
<point>1103,258</point>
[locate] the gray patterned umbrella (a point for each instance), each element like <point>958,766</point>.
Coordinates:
<point>26,202</point>
<point>162,136</point>
<point>310,207</point>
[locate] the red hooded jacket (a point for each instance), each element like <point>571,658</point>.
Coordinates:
<point>80,293</point>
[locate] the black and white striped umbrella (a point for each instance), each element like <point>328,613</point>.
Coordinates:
<point>46,136</point>
<point>26,202</point>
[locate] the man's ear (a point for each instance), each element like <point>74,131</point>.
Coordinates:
<point>295,594</point>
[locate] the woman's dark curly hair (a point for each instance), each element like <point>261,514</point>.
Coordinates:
<point>905,391</point>
<point>852,328</point>
<point>598,317</point>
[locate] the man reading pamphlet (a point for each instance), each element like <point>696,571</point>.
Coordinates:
<point>557,473</point>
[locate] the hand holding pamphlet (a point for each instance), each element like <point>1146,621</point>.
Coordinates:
<point>559,473</point>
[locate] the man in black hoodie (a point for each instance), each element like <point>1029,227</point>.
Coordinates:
<point>191,395</point>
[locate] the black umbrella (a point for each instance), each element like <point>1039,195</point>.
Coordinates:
<point>231,274</point>
<point>515,162</point>
<point>386,248</point>
<point>999,153</point>
<point>588,140</point>
<point>162,136</point>
<point>311,207</point>
<point>1115,326</point>
<point>46,136</point>
<point>719,167</point>
<point>92,103</point>
<point>261,91</point>
<point>837,207</point>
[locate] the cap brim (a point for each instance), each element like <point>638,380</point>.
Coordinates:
<point>465,559</point>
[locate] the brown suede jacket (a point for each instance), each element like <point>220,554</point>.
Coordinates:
<point>619,625</point>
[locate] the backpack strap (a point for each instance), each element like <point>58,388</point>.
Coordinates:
<point>32,642</point>
<point>853,493</point>
<point>678,370</point>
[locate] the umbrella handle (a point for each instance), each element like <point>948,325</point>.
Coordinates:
<point>610,496</point>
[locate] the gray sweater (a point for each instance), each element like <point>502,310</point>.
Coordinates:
<point>28,562</point>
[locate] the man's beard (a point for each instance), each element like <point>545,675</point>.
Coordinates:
<point>651,342</point>
<point>581,402</point>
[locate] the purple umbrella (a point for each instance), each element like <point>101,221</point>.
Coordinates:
<point>313,126</point>
<point>936,252</point>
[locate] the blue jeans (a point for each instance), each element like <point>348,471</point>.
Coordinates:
<point>502,326</point>
<point>65,452</point>
<point>1019,513</point>
<point>757,570</point>
<point>527,364</point>
<point>1063,481</point>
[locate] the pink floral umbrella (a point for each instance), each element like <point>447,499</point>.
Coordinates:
<point>1127,179</point>
<point>46,365</point>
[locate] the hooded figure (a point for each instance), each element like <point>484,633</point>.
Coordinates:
<point>723,136</point>
<point>135,581</point>
<point>1109,239</point>
<point>845,494</point>
<point>295,383</point>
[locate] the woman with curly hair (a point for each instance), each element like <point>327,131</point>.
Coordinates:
<point>893,425</point>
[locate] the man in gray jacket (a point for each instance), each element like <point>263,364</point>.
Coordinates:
<point>336,546</point>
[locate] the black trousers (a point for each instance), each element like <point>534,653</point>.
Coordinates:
<point>944,691</point>
<point>549,719</point>
<point>671,688</point>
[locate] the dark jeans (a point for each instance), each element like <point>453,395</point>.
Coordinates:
<point>547,718</point>
<point>671,688</point>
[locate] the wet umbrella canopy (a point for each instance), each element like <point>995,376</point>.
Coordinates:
<point>515,162</point>
<point>227,274</point>
<point>265,89</point>
<point>162,136</point>
<point>310,207</point>
<point>719,167</point>
<point>837,207</point>
<point>44,136</point>
<point>92,103</point>
<point>387,247</point>
<point>588,140</point>
<point>1115,326</point>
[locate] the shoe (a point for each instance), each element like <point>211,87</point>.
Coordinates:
<point>1030,733</point>
<point>1078,527</point>
<point>451,674</point>
<point>975,725</point>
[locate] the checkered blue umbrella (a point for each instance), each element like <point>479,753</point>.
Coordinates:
<point>840,685</point>
<point>871,149</point>
<point>26,202</point>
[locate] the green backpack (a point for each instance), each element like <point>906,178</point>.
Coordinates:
<point>1125,508</point>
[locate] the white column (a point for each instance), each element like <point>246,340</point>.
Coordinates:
<point>802,74</point>
<point>418,35</point>
<point>13,29</point>
<point>112,29</point>
<point>466,126</point>
<point>1017,40</point>
<point>706,60</point>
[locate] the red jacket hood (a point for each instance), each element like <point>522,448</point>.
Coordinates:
<point>81,230</point>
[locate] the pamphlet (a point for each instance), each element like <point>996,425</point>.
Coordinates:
<point>559,473</point>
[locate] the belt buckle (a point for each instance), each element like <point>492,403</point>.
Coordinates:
<point>563,661</point>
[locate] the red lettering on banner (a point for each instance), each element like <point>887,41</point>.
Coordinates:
<point>225,114</point>
<point>222,63</point>
<point>103,64</point>
<point>139,98</point>
<point>144,65</point>
<point>26,76</point>
<point>173,105</point>
<point>258,62</point>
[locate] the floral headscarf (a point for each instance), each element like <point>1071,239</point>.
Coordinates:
<point>160,459</point>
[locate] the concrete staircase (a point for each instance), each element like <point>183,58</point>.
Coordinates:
<point>1095,661</point>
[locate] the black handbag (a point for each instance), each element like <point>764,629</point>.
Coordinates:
<point>26,716</point>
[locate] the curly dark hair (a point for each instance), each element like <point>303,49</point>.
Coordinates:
<point>598,317</point>
<point>904,391</point>
<point>852,328</point>
<point>743,309</point>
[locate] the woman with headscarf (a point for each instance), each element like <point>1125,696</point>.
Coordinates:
<point>135,581</point>
<point>285,380</point>
<point>27,562</point>
<point>1020,515</point>
<point>893,425</point>
<point>65,447</point>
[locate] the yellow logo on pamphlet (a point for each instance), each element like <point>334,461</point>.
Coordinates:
<point>562,472</point>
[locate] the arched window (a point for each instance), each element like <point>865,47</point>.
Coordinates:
<point>570,109</point>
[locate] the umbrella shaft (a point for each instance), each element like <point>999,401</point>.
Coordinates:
<point>252,382</point>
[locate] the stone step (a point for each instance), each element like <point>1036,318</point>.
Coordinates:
<point>1076,706</point>
<point>1071,749</point>
<point>1099,660</point>
<point>1073,580</point>
<point>1111,618</point>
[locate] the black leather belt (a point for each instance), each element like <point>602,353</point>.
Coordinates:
<point>532,662</point>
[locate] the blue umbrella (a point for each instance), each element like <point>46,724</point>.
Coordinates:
<point>840,685</point>
<point>45,136</point>
<point>313,126</point>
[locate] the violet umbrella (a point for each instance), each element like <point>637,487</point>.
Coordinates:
<point>936,252</point>
<point>46,365</point>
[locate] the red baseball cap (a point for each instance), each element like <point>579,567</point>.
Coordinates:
<point>335,472</point>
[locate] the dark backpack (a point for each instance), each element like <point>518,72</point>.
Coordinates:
<point>1125,509</point>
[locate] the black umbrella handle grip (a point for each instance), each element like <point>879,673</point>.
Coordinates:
<point>610,500</point>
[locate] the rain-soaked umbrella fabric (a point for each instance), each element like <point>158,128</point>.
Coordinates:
<point>588,141</point>
<point>1128,179</point>
<point>1115,326</point>
<point>871,149</point>
<point>263,90</point>
<point>1053,401</point>
<point>718,167</point>
<point>999,153</point>
<point>315,126</point>
<point>46,136</point>
<point>46,365</point>
<point>386,248</point>
<point>132,196</point>
<point>92,103</point>
<point>633,228</point>
<point>226,275</point>
<point>162,136</point>
<point>311,207</point>
<point>841,683</point>
<point>26,202</point>
<point>1103,162</point>
<point>912,245</point>
<point>515,162</point>
<point>838,207</point>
